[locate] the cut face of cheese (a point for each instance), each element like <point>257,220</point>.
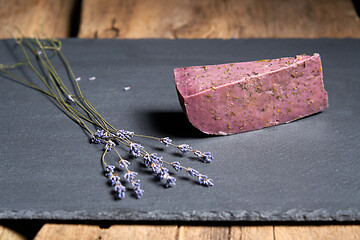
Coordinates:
<point>239,97</point>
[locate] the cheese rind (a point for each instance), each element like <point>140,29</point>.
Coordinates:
<point>238,97</point>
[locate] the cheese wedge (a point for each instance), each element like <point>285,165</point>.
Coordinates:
<point>238,97</point>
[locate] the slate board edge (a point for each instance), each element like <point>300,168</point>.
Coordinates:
<point>296,215</point>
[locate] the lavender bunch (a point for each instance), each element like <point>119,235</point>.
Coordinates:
<point>80,110</point>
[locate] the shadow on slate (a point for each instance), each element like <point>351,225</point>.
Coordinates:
<point>174,124</point>
<point>307,170</point>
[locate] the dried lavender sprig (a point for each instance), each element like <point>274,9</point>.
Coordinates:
<point>53,77</point>
<point>135,183</point>
<point>206,157</point>
<point>114,179</point>
<point>63,95</point>
<point>155,162</point>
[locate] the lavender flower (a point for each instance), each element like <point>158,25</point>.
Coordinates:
<point>205,181</point>
<point>197,153</point>
<point>147,159</point>
<point>206,157</point>
<point>119,190</point>
<point>109,168</point>
<point>166,140</point>
<point>135,149</point>
<point>109,174</point>
<point>78,79</point>
<point>192,172</point>
<point>95,140</point>
<point>124,163</point>
<point>130,175</point>
<point>138,192</point>
<point>120,195</point>
<point>156,167</point>
<point>114,179</point>
<point>98,137</point>
<point>109,145</point>
<point>135,184</point>
<point>202,178</point>
<point>170,181</point>
<point>176,166</point>
<point>99,133</point>
<point>208,182</point>
<point>124,134</point>
<point>92,78</point>
<point>155,158</point>
<point>151,158</point>
<point>163,172</point>
<point>184,148</point>
<point>119,187</point>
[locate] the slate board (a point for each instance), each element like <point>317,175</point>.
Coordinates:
<point>308,170</point>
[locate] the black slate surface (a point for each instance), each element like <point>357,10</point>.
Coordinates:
<point>307,170</point>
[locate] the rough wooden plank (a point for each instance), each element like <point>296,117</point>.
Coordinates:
<point>144,232</point>
<point>124,232</point>
<point>251,232</point>
<point>218,19</point>
<point>53,16</point>
<point>203,232</point>
<point>9,234</point>
<point>349,232</point>
<point>68,231</point>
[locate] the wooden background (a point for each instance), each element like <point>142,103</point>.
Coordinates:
<point>179,19</point>
<point>182,18</point>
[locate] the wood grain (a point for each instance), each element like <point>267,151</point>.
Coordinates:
<point>150,232</point>
<point>146,232</point>
<point>9,234</point>
<point>251,233</point>
<point>123,232</point>
<point>350,232</point>
<point>202,232</point>
<point>68,231</point>
<point>52,16</point>
<point>219,19</point>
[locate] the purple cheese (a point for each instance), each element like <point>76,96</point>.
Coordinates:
<point>239,97</point>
